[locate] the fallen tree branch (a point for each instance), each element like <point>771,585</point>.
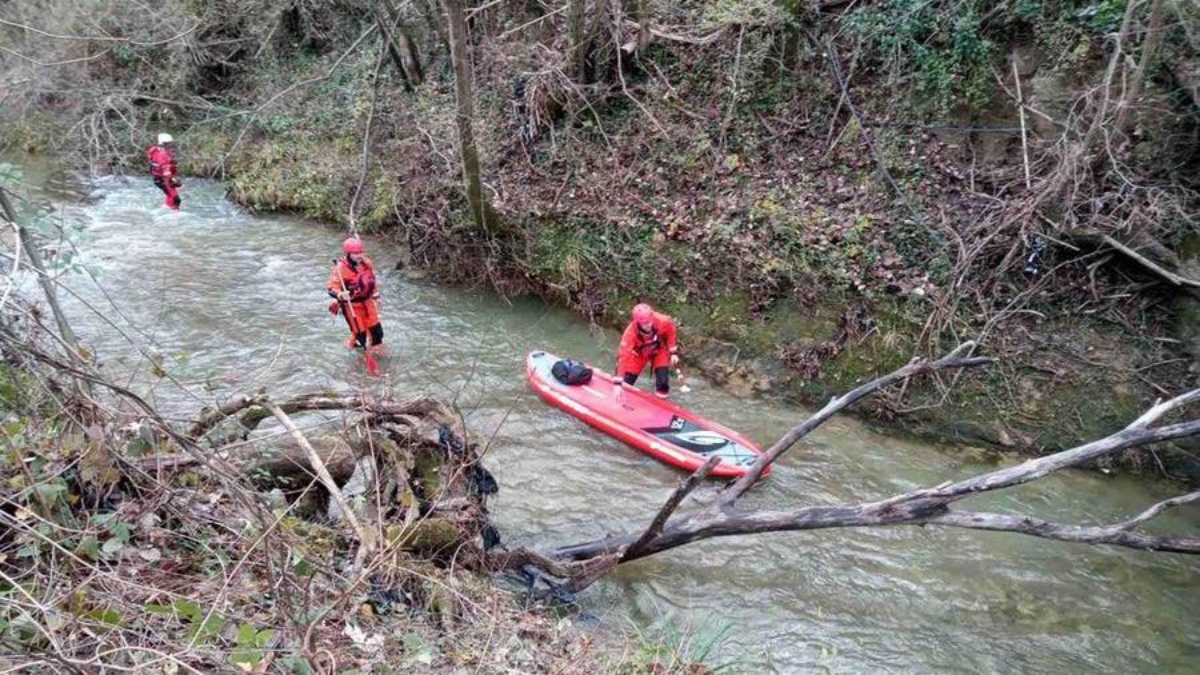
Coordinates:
<point>1036,527</point>
<point>1142,260</point>
<point>914,508</point>
<point>684,39</point>
<point>1158,508</point>
<point>959,358</point>
<point>365,541</point>
<point>253,411</point>
<point>926,506</point>
<point>685,488</point>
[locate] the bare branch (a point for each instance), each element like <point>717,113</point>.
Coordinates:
<point>1158,508</point>
<point>102,38</point>
<point>927,506</point>
<point>1116,536</point>
<point>35,263</point>
<point>1153,414</point>
<point>16,262</point>
<point>335,491</point>
<point>210,418</point>
<point>52,64</point>
<point>685,488</point>
<point>710,524</point>
<point>959,358</point>
<point>1036,468</point>
<point>676,37</point>
<point>254,410</point>
<point>1176,279</point>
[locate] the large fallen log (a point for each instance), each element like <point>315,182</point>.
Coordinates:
<point>577,566</point>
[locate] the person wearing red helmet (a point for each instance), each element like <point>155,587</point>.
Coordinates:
<point>165,170</point>
<point>355,294</point>
<point>649,338</point>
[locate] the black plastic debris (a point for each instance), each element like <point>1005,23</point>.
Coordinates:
<point>483,480</point>
<point>452,443</point>
<point>384,600</point>
<point>1033,261</point>
<point>491,537</point>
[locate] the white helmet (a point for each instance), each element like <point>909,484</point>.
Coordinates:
<point>165,138</point>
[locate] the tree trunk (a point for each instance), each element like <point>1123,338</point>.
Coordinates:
<point>578,44</point>
<point>599,60</point>
<point>385,29</point>
<point>637,10</point>
<point>460,54</point>
<point>427,11</point>
<point>1150,45</point>
<point>400,45</point>
<point>412,55</point>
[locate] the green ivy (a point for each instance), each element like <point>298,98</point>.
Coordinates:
<point>941,45</point>
<point>948,47</point>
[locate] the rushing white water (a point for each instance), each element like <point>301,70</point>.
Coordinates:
<point>231,302</point>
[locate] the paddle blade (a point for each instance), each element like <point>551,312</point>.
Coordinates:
<point>682,383</point>
<point>372,364</point>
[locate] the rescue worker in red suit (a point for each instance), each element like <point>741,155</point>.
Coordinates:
<point>165,170</point>
<point>649,338</point>
<point>353,287</point>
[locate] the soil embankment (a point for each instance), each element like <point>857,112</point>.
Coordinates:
<point>810,219</point>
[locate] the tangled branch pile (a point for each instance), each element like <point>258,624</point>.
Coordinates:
<point>128,543</point>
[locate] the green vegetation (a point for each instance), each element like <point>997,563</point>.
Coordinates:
<point>110,541</point>
<point>943,49</point>
<point>817,194</point>
<point>719,170</point>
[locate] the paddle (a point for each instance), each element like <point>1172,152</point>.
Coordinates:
<point>356,326</point>
<point>682,382</point>
<point>619,394</point>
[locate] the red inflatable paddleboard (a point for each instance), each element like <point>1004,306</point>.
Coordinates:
<point>653,425</point>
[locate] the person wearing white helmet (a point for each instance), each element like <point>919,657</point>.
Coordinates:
<point>165,170</point>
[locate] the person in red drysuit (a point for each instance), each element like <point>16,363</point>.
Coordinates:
<point>165,170</point>
<point>356,295</point>
<point>649,338</point>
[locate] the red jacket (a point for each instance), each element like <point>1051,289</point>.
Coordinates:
<point>358,280</point>
<point>162,162</point>
<point>662,336</point>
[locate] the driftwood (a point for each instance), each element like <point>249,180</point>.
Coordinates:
<point>400,473</point>
<point>252,409</point>
<point>582,564</point>
<point>331,486</point>
<point>288,465</point>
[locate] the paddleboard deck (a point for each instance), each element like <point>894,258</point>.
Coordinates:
<point>653,425</point>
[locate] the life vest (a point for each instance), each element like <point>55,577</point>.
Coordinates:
<point>646,344</point>
<point>359,280</point>
<point>162,162</point>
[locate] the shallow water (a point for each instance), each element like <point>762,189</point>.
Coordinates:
<point>230,302</point>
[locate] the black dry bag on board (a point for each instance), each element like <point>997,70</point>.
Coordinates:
<point>571,372</point>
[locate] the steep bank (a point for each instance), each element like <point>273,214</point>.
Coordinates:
<point>810,226</point>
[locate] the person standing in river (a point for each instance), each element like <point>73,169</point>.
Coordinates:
<point>355,294</point>
<point>649,338</point>
<point>165,170</point>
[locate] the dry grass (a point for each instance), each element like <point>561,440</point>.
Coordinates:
<point>127,545</point>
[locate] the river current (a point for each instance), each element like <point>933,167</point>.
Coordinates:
<point>231,302</point>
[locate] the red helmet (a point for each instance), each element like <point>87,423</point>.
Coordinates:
<point>642,313</point>
<point>352,245</point>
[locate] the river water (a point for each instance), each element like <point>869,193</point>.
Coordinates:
<point>229,302</point>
